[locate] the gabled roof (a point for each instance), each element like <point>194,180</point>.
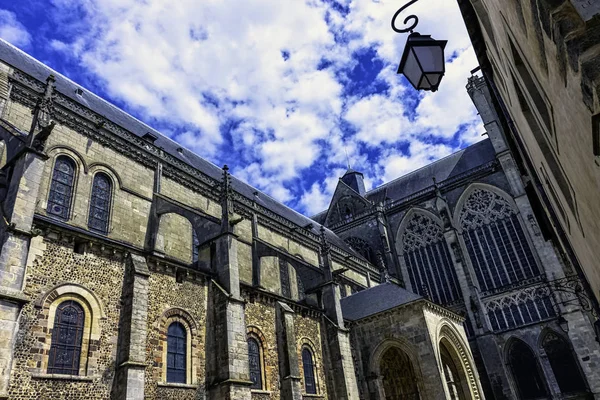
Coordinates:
<point>34,68</point>
<point>343,190</point>
<point>375,300</point>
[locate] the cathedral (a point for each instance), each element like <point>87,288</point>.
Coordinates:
<point>131,268</point>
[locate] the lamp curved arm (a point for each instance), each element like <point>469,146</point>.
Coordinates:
<point>413,18</point>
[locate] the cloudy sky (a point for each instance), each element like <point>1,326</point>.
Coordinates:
<point>284,91</point>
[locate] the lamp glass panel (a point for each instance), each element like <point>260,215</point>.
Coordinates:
<point>434,78</point>
<point>412,70</point>
<point>430,57</point>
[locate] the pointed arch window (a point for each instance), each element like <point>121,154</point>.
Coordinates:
<point>255,362</point>
<point>100,203</point>
<point>565,368</point>
<point>496,241</point>
<point>176,353</point>
<point>67,336</point>
<point>427,258</point>
<point>308,368</point>
<point>525,371</point>
<point>362,248</point>
<point>61,188</point>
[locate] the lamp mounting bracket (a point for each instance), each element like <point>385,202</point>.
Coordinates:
<point>412,19</point>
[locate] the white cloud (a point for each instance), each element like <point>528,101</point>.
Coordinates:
<point>12,30</point>
<point>239,80</point>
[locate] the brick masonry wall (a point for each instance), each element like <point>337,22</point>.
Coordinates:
<point>56,263</point>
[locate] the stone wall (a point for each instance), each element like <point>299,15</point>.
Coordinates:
<point>56,264</point>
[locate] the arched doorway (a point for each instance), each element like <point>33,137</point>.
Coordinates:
<point>565,368</point>
<point>398,376</point>
<point>453,375</point>
<point>525,371</point>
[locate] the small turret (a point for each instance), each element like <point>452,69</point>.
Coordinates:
<point>355,180</point>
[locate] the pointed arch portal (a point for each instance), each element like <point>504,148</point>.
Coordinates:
<point>399,379</point>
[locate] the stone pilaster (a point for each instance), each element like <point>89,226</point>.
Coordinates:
<point>15,235</point>
<point>288,354</point>
<point>342,382</point>
<point>131,349</point>
<point>227,369</point>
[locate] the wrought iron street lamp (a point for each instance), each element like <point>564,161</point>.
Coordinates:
<point>423,59</point>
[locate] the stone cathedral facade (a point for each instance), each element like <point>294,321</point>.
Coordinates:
<point>130,268</point>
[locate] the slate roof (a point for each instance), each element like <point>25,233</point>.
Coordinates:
<point>456,163</point>
<point>30,66</point>
<point>375,300</point>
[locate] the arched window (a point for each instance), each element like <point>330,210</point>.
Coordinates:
<point>308,367</point>
<point>525,371</point>
<point>176,353</point>
<point>565,368</point>
<point>100,203</point>
<point>67,336</point>
<point>195,244</point>
<point>427,258</point>
<point>362,248</point>
<point>61,187</point>
<point>496,241</point>
<point>451,375</point>
<point>255,362</point>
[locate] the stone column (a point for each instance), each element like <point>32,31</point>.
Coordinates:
<point>19,208</point>
<point>131,349</point>
<point>336,337</point>
<point>227,369</point>
<point>288,353</point>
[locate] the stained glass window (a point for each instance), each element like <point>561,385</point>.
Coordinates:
<point>284,277</point>
<point>309,372</point>
<point>525,371</point>
<point>61,188</point>
<point>100,203</point>
<point>67,335</point>
<point>195,244</point>
<point>427,258</point>
<point>255,363</point>
<point>176,353</point>
<point>565,368</point>
<point>496,241</point>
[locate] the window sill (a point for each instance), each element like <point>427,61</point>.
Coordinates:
<point>62,377</point>
<point>177,385</point>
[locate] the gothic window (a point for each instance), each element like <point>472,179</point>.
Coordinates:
<point>362,248</point>
<point>284,278</point>
<point>61,188</point>
<point>255,362</point>
<point>451,375</point>
<point>520,308</point>
<point>565,368</point>
<point>67,336</point>
<point>496,241</point>
<point>195,244</point>
<point>100,203</point>
<point>176,353</point>
<point>427,258</point>
<point>308,367</point>
<point>399,380</point>
<point>525,371</point>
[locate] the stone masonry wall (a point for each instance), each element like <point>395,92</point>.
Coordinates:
<point>56,263</point>
<point>165,293</point>
<point>174,237</point>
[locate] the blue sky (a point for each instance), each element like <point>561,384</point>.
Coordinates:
<point>281,90</point>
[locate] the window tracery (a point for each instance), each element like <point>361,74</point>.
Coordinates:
<point>523,307</point>
<point>427,258</point>
<point>496,241</point>
<point>361,247</point>
<point>100,203</point>
<point>61,188</point>
<point>67,337</point>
